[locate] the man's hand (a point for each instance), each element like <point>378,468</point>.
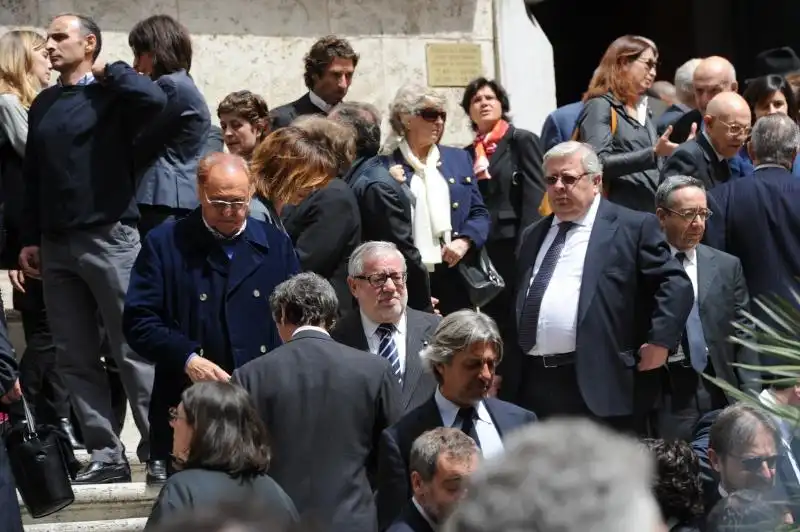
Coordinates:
<point>199,369</point>
<point>652,357</point>
<point>99,70</point>
<point>30,262</point>
<point>13,395</point>
<point>17,279</point>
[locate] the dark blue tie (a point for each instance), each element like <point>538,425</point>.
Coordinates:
<point>695,339</point>
<point>529,320</point>
<point>388,349</point>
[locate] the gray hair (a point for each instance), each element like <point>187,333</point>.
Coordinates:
<point>737,427</point>
<point>546,467</point>
<point>365,119</point>
<point>684,80</point>
<point>368,250</point>
<point>410,99</point>
<point>457,332</point>
<point>591,163</point>
<point>672,184</point>
<point>427,448</point>
<point>775,140</point>
<point>305,299</point>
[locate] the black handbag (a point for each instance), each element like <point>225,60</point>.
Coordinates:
<point>480,276</point>
<point>43,463</point>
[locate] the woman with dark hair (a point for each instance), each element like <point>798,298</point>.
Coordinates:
<point>617,122</point>
<point>169,149</point>
<point>767,95</point>
<point>221,451</point>
<point>508,165</point>
<point>244,119</point>
<point>678,488</point>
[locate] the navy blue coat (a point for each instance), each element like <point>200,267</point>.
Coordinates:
<point>560,125</point>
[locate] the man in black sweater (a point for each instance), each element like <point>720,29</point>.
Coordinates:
<point>80,229</point>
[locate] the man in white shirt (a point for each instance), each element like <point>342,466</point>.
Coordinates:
<point>383,324</point>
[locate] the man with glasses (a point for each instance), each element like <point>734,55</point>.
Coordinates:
<point>720,298</point>
<point>197,305</point>
<point>383,324</point>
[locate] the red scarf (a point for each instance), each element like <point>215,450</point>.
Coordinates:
<point>485,146</point>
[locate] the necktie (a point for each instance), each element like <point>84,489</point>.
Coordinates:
<point>529,320</point>
<point>695,340</point>
<point>388,349</point>
<point>467,416</point>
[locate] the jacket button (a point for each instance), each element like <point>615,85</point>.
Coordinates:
<point>256,293</point>
<point>455,233</point>
<point>455,205</point>
<point>263,349</point>
<point>203,297</point>
<point>452,181</point>
<point>468,179</point>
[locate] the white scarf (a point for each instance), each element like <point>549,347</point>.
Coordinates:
<point>431,218</point>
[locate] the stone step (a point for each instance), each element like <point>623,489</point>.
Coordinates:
<point>138,473</point>
<point>98,502</point>
<point>135,524</point>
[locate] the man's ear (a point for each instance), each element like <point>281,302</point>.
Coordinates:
<point>714,458</point>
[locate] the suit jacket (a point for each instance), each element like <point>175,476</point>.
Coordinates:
<point>170,147</point>
<point>285,114</point>
<point>668,118</point>
<point>516,188</point>
<point>658,108</point>
<point>410,520</point>
<point>325,406</point>
<point>632,292</point>
<point>722,297</point>
<point>697,158</point>
<point>394,489</point>
<point>386,215</point>
<point>560,125</point>
<point>682,125</point>
<point>214,142</point>
<point>418,385</point>
<point>325,229</point>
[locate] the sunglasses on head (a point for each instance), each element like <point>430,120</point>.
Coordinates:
<point>430,115</point>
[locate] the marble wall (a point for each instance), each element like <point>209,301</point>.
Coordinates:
<point>259,44</point>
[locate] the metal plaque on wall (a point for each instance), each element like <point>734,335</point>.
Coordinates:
<point>453,64</point>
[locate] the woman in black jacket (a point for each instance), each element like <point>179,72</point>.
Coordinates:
<point>617,122</point>
<point>508,165</point>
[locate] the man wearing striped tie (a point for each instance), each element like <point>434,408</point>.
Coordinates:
<point>601,301</point>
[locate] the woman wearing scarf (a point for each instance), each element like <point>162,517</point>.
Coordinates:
<point>508,165</point>
<point>448,215</point>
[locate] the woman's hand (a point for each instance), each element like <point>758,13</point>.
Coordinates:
<point>664,147</point>
<point>453,252</point>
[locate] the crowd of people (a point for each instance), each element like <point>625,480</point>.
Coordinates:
<point>294,307</point>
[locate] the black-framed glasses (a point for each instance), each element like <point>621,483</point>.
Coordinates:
<point>223,205</point>
<point>566,179</point>
<point>651,64</point>
<point>753,464</point>
<point>378,280</point>
<point>430,115</point>
<point>690,215</point>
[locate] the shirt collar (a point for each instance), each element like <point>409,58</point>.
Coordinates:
<point>719,157</point>
<point>449,410</point>
<point>588,219</point>
<point>371,327</point>
<point>86,79</point>
<point>424,514</point>
<point>771,165</point>
<point>691,254</point>
<point>309,328</point>
<point>319,102</point>
<point>225,238</point>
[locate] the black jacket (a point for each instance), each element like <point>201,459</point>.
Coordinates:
<point>285,114</point>
<point>697,158</point>
<point>630,165</point>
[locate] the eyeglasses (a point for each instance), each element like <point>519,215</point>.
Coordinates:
<point>378,280</point>
<point>566,179</point>
<point>736,130</point>
<point>753,464</point>
<point>651,64</point>
<point>430,115</point>
<point>690,215</point>
<point>223,205</point>
<point>175,415</point>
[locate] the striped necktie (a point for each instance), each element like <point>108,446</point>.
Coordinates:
<point>388,348</point>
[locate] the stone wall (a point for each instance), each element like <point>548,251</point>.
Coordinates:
<point>259,44</point>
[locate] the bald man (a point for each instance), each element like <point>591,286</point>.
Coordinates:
<point>726,126</point>
<point>713,75</point>
<point>198,301</point>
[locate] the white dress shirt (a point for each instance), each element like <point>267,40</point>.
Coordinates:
<point>690,265</point>
<point>785,429</point>
<point>557,328</point>
<point>319,102</point>
<point>399,336</point>
<point>309,328</point>
<point>491,444</point>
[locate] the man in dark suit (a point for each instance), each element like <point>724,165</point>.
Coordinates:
<point>10,392</point>
<point>720,298</point>
<point>325,405</point>
<point>560,124</point>
<point>705,157</point>
<point>384,203</point>
<point>462,355</point>
<point>329,68</point>
<point>441,462</point>
<point>684,94</point>
<point>383,324</point>
<point>601,302</point>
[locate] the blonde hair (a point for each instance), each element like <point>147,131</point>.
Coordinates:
<point>16,64</point>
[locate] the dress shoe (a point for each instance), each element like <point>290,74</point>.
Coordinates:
<point>66,427</point>
<point>156,472</point>
<point>103,473</point>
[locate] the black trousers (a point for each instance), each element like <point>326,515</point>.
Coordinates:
<point>501,308</point>
<point>687,397</point>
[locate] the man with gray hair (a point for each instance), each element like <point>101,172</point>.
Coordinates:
<point>562,476</point>
<point>720,297</point>
<point>441,462</point>
<point>324,404</point>
<point>384,204</point>
<point>684,93</point>
<point>759,220</point>
<point>383,324</point>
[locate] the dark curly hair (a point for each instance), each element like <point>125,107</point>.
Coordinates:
<point>472,89</point>
<point>249,107</point>
<point>322,54</point>
<point>677,488</point>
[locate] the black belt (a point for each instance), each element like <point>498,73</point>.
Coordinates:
<point>552,361</point>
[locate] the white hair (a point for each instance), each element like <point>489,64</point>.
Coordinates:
<point>684,80</point>
<point>410,98</point>
<point>368,250</point>
<point>591,163</point>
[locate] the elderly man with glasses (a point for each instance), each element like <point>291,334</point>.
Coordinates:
<point>197,305</point>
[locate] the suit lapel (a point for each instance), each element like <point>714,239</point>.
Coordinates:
<point>528,252</point>
<point>353,331</point>
<point>600,245</point>
<point>706,275</point>
<point>248,255</point>
<point>415,329</point>
<point>503,422</point>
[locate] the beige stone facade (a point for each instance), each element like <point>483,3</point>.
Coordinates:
<point>259,44</point>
